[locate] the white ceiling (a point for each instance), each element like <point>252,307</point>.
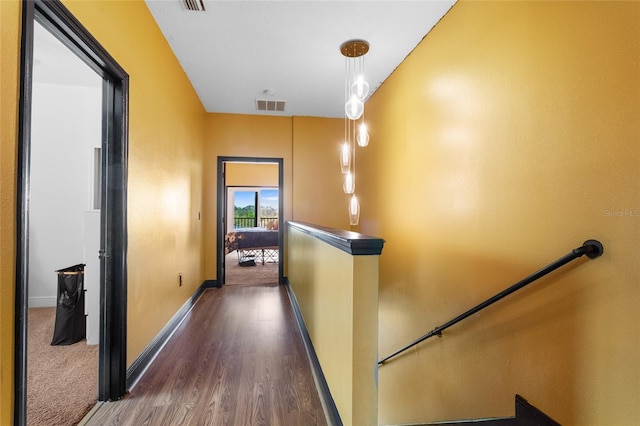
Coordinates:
<point>236,52</point>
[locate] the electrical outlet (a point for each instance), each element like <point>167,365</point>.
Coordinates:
<point>180,279</point>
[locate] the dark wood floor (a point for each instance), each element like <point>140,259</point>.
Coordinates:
<point>237,359</point>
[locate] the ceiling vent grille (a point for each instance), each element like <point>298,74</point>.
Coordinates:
<point>195,5</point>
<point>266,105</point>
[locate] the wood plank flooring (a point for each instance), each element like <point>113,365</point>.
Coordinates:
<point>237,359</point>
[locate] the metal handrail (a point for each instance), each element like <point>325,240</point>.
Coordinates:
<point>591,248</point>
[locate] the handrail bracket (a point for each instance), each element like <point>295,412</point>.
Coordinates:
<point>593,248</point>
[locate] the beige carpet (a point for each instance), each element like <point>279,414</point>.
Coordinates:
<point>252,275</point>
<point>62,381</point>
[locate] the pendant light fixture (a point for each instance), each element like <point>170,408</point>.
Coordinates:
<point>356,90</point>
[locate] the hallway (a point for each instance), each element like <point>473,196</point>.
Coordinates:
<point>237,359</point>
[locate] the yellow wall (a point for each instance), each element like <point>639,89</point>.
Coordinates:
<point>338,299</point>
<point>295,140</point>
<point>317,192</point>
<point>508,137</point>
<point>166,131</point>
<point>251,174</point>
<point>9,80</point>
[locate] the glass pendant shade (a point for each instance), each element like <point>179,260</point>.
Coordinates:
<point>345,157</point>
<point>354,211</point>
<point>360,87</point>
<point>363,135</point>
<point>349,185</point>
<point>354,108</point>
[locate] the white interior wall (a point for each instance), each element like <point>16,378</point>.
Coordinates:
<point>66,126</point>
<point>65,129</point>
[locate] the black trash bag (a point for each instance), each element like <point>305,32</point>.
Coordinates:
<point>71,326</point>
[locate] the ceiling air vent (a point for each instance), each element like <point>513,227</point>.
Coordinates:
<point>265,105</point>
<point>195,5</point>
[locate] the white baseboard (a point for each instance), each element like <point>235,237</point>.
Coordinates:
<point>43,302</point>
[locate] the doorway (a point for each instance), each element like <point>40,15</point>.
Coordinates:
<point>247,212</point>
<point>252,255</point>
<point>58,21</point>
<point>64,232</point>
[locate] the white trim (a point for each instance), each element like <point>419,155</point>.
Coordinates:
<point>42,302</point>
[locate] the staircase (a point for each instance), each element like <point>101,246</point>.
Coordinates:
<point>526,415</point>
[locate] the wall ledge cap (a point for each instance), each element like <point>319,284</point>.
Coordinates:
<point>354,243</point>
